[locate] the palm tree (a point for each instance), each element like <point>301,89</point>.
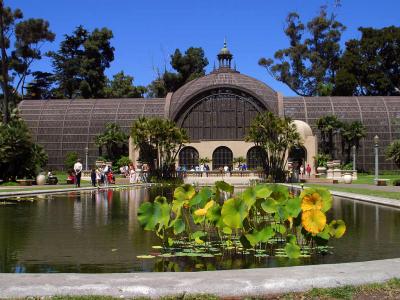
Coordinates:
<point>158,139</point>
<point>204,160</point>
<point>393,152</point>
<point>351,134</point>
<point>328,126</point>
<point>239,160</point>
<point>276,135</point>
<point>114,140</point>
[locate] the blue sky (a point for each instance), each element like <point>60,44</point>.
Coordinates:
<point>146,32</point>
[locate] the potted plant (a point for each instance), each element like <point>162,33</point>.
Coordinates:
<point>321,161</point>
<point>239,161</point>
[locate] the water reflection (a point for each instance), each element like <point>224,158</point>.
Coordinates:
<point>98,232</point>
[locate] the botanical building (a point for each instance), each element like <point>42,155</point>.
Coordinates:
<point>216,110</point>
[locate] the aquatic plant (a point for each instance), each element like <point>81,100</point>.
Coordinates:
<point>265,218</point>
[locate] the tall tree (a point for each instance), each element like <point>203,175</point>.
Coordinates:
<point>276,135</point>
<point>371,65</point>
<point>41,87</point>
<point>188,66</point>
<point>121,86</point>
<point>20,43</point>
<point>80,63</point>
<point>309,65</point>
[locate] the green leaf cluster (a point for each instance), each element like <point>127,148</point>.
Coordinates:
<point>259,217</point>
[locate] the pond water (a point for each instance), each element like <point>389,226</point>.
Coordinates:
<point>98,232</point>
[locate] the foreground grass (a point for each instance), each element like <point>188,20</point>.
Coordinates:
<point>386,290</point>
<point>368,192</point>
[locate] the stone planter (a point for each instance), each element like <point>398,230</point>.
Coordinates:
<point>321,170</point>
<point>347,178</point>
<point>40,179</point>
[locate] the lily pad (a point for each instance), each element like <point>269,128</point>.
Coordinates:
<point>145,256</point>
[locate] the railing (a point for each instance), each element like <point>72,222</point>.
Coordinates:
<point>219,173</point>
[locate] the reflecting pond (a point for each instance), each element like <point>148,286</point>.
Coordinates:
<point>97,232</point>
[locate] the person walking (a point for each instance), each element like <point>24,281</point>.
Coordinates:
<point>78,173</point>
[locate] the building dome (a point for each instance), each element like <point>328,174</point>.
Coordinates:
<point>303,129</point>
<point>223,78</point>
<point>225,51</point>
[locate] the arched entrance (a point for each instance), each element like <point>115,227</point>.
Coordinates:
<point>188,158</point>
<point>222,156</point>
<point>255,158</point>
<point>297,156</point>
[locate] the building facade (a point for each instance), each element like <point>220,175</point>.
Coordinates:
<point>216,110</point>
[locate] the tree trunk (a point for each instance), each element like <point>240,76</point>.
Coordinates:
<point>4,69</point>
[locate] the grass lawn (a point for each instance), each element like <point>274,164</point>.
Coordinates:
<point>369,179</point>
<point>386,290</point>
<point>368,192</point>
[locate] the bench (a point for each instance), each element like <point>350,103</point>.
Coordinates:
<point>25,182</point>
<point>382,182</point>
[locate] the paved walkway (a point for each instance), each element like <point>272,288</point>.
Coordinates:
<point>59,189</point>
<point>389,188</point>
<point>365,198</point>
<point>239,283</point>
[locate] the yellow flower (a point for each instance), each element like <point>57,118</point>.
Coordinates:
<point>200,212</point>
<point>209,204</point>
<point>313,201</point>
<point>203,211</point>
<point>313,221</point>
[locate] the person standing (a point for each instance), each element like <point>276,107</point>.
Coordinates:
<point>105,173</point>
<point>132,175</point>
<point>308,170</point>
<point>301,171</point>
<point>98,177</point>
<point>78,173</point>
<point>93,177</point>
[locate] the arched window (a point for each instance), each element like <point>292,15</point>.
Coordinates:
<point>256,158</point>
<point>188,158</point>
<point>220,116</point>
<point>222,156</point>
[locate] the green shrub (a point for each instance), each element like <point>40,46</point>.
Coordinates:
<point>396,182</point>
<point>322,159</point>
<point>20,157</point>
<point>123,161</point>
<point>348,166</point>
<point>70,159</point>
